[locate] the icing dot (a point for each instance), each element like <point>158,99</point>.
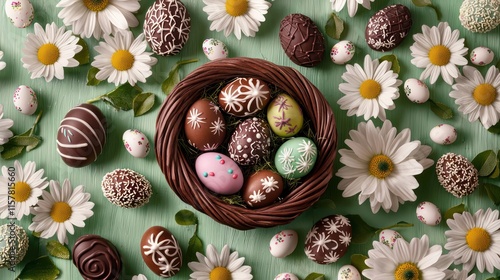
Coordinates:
<point>218,157</point>
<point>205,174</point>
<point>230,171</point>
<point>222,161</point>
<point>245,155</point>
<point>211,174</point>
<point>239,147</point>
<point>249,140</point>
<point>258,135</point>
<point>235,176</point>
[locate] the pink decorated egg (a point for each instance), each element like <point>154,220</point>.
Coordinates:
<point>219,173</point>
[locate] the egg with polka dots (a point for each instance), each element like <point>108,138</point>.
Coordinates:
<point>219,173</point>
<point>250,142</point>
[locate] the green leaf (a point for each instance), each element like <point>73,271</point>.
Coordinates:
<point>40,269</point>
<point>186,218</point>
<point>361,231</point>
<point>11,151</point>
<point>91,79</point>
<point>315,276</point>
<point>485,162</point>
<point>57,250</point>
<point>496,172</point>
<point>325,203</point>
<point>173,77</point>
<point>334,26</point>
<point>394,62</point>
<point>24,140</point>
<point>142,103</point>
<point>401,224</point>
<point>358,261</point>
<point>455,209</point>
<point>122,97</point>
<point>83,57</point>
<point>427,3</point>
<point>195,245</point>
<point>36,234</point>
<point>441,110</point>
<point>493,192</point>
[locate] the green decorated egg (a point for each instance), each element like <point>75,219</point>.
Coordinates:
<point>296,157</point>
<point>284,116</point>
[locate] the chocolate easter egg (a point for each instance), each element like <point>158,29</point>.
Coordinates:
<point>296,157</point>
<point>244,97</point>
<point>161,251</point>
<point>285,116</point>
<point>250,142</point>
<point>96,258</point>
<point>204,125</point>
<point>302,40</point>
<point>262,188</point>
<point>457,174</point>
<point>219,173</point>
<point>387,28</point>
<point>328,239</point>
<point>167,26</point>
<point>81,135</point>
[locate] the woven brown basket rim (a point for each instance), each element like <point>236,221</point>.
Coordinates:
<point>183,180</point>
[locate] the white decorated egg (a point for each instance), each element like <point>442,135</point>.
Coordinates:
<point>348,272</point>
<point>214,49</point>
<point>25,100</point>
<point>416,91</point>
<point>342,52</point>
<point>136,143</point>
<point>283,243</point>
<point>388,237</point>
<point>443,134</point>
<point>286,276</point>
<point>20,12</point>
<point>428,213</point>
<point>481,56</point>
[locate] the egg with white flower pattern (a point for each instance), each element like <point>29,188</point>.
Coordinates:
<point>244,97</point>
<point>284,116</point>
<point>204,125</point>
<point>161,251</point>
<point>296,157</point>
<point>286,276</point>
<point>25,100</point>
<point>262,188</point>
<point>428,213</point>
<point>19,12</point>
<point>283,243</point>
<point>348,272</point>
<point>214,49</point>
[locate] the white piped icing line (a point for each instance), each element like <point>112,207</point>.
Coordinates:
<point>82,134</point>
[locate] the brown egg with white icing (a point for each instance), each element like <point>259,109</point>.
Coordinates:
<point>250,142</point>
<point>204,125</point>
<point>161,251</point>
<point>262,188</point>
<point>244,97</point>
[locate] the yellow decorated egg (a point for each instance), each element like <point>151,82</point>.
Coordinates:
<point>284,116</point>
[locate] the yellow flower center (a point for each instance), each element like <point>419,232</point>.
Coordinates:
<point>48,54</point>
<point>380,166</point>
<point>478,239</point>
<point>439,55</point>
<point>370,89</point>
<point>22,191</point>
<point>485,94</point>
<point>122,60</point>
<point>220,273</point>
<point>236,8</point>
<point>407,271</point>
<point>96,5</point>
<point>61,212</point>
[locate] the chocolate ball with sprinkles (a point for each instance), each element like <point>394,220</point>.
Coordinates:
<point>126,188</point>
<point>457,174</point>
<point>13,238</point>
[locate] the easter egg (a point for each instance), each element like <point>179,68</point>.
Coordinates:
<point>244,97</point>
<point>443,134</point>
<point>480,15</point>
<point>416,91</point>
<point>284,116</point>
<point>96,258</point>
<point>262,188</point>
<point>428,213</point>
<point>481,56</point>
<point>388,237</point>
<point>25,100</point>
<point>348,272</point>
<point>342,52</point>
<point>286,276</point>
<point>250,142</point>
<point>283,243</point>
<point>136,143</point>
<point>214,49</point>
<point>328,240</point>
<point>204,125</point>
<point>161,251</point>
<point>296,157</point>
<point>457,174</point>
<point>19,12</point>
<point>13,238</point>
<point>387,28</point>
<point>219,173</point>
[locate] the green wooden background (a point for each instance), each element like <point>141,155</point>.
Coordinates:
<point>125,227</point>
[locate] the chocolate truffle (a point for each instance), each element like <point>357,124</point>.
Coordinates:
<point>388,27</point>
<point>167,26</point>
<point>244,97</point>
<point>81,135</point>
<point>250,142</point>
<point>302,40</point>
<point>126,188</point>
<point>96,258</point>
<point>204,125</point>
<point>161,251</point>
<point>13,238</point>
<point>457,174</point>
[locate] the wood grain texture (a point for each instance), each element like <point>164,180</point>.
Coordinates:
<point>124,227</point>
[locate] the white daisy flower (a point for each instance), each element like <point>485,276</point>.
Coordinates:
<point>5,124</point>
<point>439,51</point>
<point>2,63</point>
<point>474,240</point>
<point>139,277</point>
<point>370,90</point>
<point>27,187</point>
<point>60,210</point>
<point>46,52</point>
<point>407,261</point>
<point>221,266</point>
<point>352,5</point>
<point>98,17</point>
<point>236,16</point>
<point>478,96</point>
<point>456,274</point>
<point>381,165</point>
<point>122,59</point>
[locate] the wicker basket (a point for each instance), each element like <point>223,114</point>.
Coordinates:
<point>179,171</point>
